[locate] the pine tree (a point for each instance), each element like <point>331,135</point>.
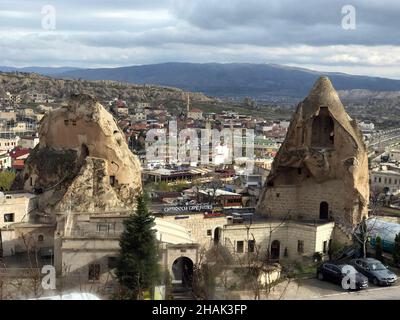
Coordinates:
<point>378,248</point>
<point>396,250</point>
<point>138,269</point>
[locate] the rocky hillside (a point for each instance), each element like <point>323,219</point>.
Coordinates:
<point>24,83</point>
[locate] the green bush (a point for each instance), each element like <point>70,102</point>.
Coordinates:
<point>6,180</point>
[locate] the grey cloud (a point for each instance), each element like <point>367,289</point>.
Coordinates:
<point>196,30</point>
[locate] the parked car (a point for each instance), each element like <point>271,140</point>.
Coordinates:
<point>336,272</point>
<point>378,273</point>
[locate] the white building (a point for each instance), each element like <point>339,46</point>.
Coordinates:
<point>394,154</point>
<point>8,143</point>
<point>366,126</point>
<point>28,142</point>
<point>15,208</point>
<point>385,178</point>
<point>5,161</point>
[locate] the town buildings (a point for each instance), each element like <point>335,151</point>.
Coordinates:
<point>308,194</point>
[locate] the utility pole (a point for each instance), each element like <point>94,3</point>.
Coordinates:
<point>188,105</point>
<point>1,248</point>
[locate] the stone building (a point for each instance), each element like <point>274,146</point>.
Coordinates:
<point>84,180</point>
<point>83,175</point>
<point>321,169</point>
<point>385,178</point>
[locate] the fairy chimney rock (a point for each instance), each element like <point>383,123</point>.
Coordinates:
<point>82,163</point>
<point>321,169</point>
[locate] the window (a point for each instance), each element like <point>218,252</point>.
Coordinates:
<point>277,195</point>
<point>322,129</point>
<point>105,227</point>
<point>9,217</point>
<point>375,179</point>
<point>251,246</point>
<point>239,246</point>
<point>66,122</point>
<point>74,122</point>
<point>94,272</point>
<point>40,238</point>
<point>324,247</point>
<point>300,246</point>
<point>390,180</point>
<point>379,179</point>
<point>112,181</point>
<point>209,232</point>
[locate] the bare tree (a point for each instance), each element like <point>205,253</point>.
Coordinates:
<point>33,271</point>
<point>361,233</point>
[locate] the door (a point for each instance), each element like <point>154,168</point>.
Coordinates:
<point>275,249</point>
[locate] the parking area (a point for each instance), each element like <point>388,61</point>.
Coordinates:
<point>306,289</point>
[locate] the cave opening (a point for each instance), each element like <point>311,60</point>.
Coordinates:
<point>323,134</point>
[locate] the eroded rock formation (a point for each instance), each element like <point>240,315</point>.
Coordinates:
<point>82,163</point>
<point>321,169</point>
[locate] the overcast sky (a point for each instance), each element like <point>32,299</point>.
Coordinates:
<point>306,33</point>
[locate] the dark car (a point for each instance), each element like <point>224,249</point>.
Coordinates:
<point>337,272</point>
<point>375,271</point>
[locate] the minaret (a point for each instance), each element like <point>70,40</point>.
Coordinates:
<point>188,104</point>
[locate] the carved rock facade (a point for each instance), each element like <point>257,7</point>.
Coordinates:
<point>82,163</point>
<point>321,169</point>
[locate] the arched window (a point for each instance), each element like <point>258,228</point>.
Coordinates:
<point>323,135</point>
<point>324,210</point>
<point>40,238</point>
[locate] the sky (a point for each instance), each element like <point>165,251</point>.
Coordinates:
<point>318,34</point>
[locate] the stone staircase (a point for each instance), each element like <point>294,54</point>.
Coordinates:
<point>180,292</point>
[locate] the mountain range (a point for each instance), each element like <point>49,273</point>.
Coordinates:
<point>235,80</point>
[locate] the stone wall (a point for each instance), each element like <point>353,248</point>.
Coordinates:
<point>13,238</point>
<point>288,234</point>
<point>18,204</point>
<point>304,201</point>
<point>198,226</point>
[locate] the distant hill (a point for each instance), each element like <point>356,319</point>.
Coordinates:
<point>47,71</point>
<point>260,81</point>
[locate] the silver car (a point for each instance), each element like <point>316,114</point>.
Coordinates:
<point>375,271</point>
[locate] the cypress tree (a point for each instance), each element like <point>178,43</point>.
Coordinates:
<point>378,248</point>
<point>396,250</point>
<point>138,269</point>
